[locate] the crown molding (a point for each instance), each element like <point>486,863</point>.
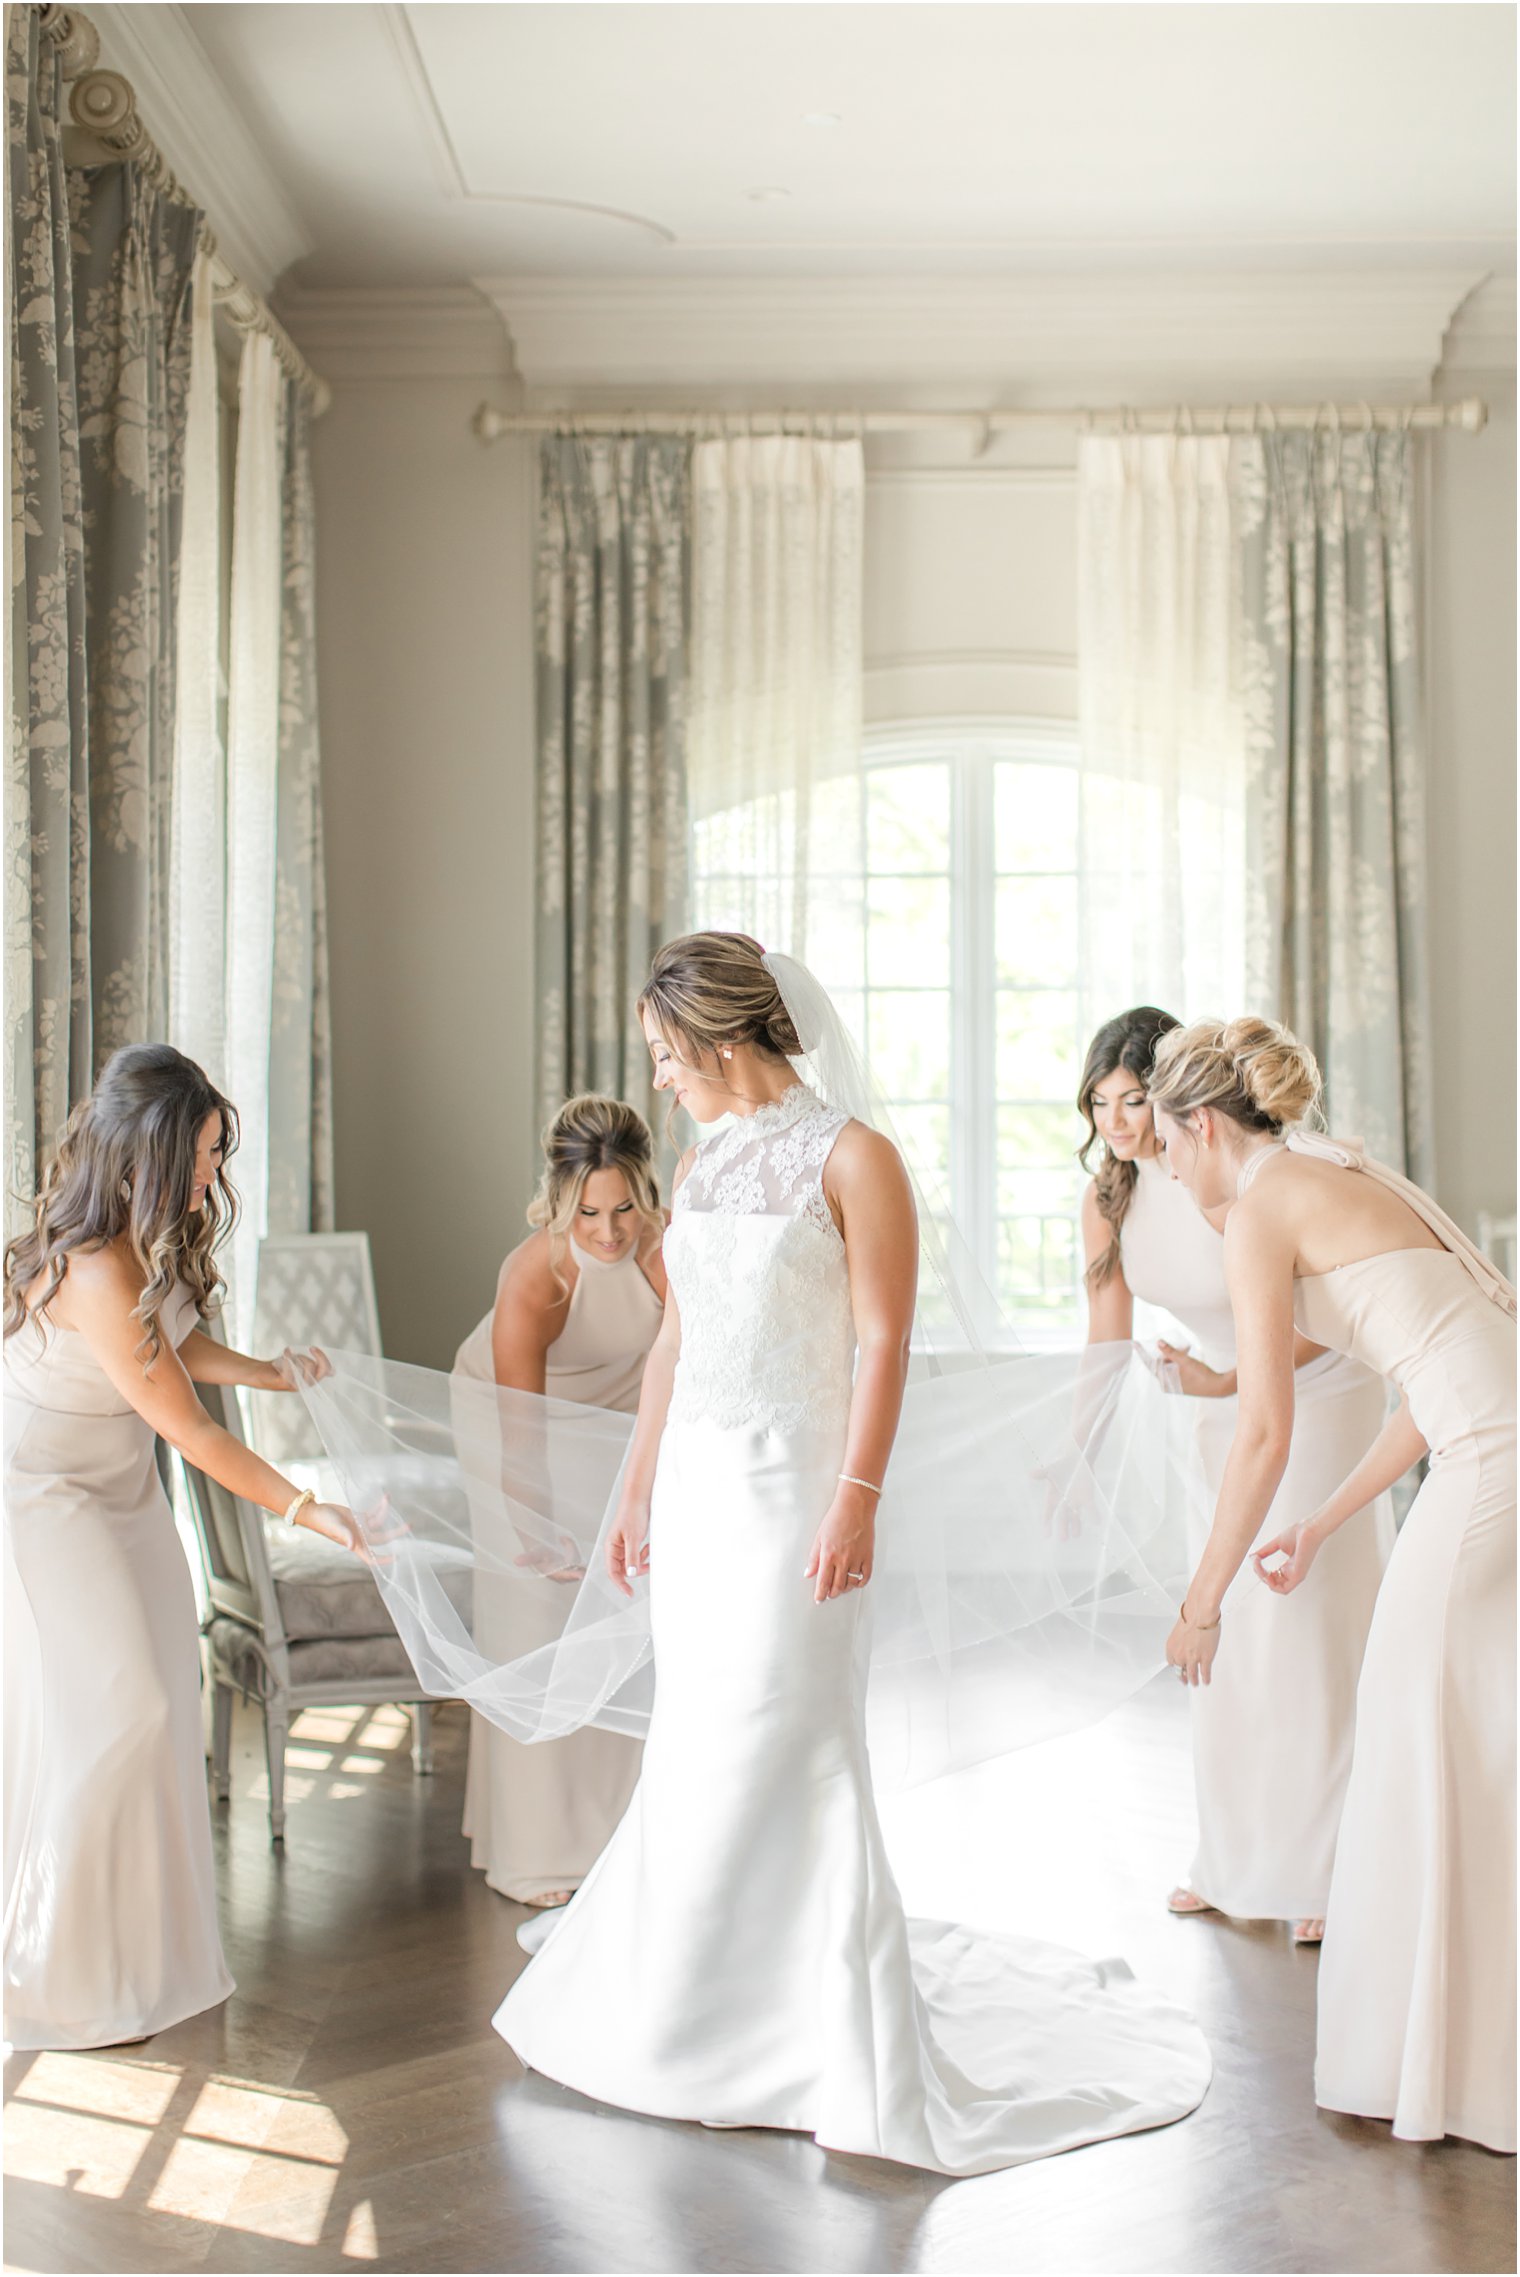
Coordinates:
<point>205,137</point>
<point>1481,335</point>
<point>408,332</point>
<point>1120,331</point>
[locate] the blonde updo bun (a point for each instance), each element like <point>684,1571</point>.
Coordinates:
<point>1253,1070</point>
<point>588,1134</point>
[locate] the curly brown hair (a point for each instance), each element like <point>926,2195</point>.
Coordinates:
<point>125,1165</point>
<point>1129,1041</point>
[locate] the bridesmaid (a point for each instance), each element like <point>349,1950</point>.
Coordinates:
<point>110,1920</point>
<point>1417,1978</point>
<point>1269,1788</point>
<point>578,1306</point>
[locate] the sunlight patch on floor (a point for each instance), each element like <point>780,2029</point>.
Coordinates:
<point>360,2242</point>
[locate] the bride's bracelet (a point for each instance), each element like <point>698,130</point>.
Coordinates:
<point>1192,1624</point>
<point>305,1497</point>
<point>847,1478</point>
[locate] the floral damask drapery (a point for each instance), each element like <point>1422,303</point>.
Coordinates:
<point>1250,701</point>
<point>122,897</point>
<point>610,651</point>
<point>47,787</point>
<point>1334,773</point>
<point>101,267</point>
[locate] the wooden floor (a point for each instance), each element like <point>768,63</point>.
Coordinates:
<point>351,2106</point>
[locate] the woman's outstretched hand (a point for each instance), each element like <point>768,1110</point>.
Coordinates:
<point>844,1547</point>
<point>628,1549</point>
<point>294,1369</point>
<point>562,1564</point>
<point>1297,1546</point>
<point>1183,1371</point>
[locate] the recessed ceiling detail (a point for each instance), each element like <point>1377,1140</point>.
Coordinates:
<point>427,144</point>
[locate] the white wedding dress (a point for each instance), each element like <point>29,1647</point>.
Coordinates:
<point>739,1953</point>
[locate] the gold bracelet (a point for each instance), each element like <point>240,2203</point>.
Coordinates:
<point>847,1478</point>
<point>1192,1624</point>
<point>293,1513</point>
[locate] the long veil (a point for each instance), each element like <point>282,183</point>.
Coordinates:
<point>1032,1531</point>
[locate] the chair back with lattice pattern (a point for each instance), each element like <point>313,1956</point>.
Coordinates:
<point>313,1288</point>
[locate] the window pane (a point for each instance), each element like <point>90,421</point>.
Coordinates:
<point>835,933</point>
<point>1037,1263</point>
<point>909,826</point>
<point>1036,930</point>
<point>1038,1137</point>
<point>1037,1044</point>
<point>909,944</point>
<point>925,1135</point>
<point>910,1043</point>
<point>1036,816</point>
<point>1038,1193</point>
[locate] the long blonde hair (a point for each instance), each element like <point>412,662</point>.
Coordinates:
<point>588,1134</point>
<point>126,1165</point>
<point>1253,1070</point>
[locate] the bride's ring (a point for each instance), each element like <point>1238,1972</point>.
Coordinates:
<point>854,1577</point>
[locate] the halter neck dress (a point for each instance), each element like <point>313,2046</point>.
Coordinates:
<point>537,1817</point>
<point>1272,1730</point>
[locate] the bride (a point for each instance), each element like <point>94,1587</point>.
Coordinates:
<point>738,1954</point>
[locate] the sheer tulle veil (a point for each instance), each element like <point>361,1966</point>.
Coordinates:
<point>1031,1532</point>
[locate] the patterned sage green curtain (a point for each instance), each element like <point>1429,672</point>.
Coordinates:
<point>611,623</point>
<point>1336,901</point>
<point>100,276</point>
<point>300,1149</point>
<point>134,255</point>
<point>47,879</point>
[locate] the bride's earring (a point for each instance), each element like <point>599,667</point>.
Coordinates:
<point>728,1051</point>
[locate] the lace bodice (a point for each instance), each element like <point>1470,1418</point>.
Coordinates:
<point>758,1268</point>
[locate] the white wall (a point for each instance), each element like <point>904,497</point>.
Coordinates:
<point>1470,672</point>
<point>425,614</point>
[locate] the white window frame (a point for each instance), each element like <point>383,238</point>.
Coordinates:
<point>972,745</point>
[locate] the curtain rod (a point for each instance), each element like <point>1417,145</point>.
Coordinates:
<point>1466,417</point>
<point>107,128</point>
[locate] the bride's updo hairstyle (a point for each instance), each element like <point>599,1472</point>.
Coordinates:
<point>588,1134</point>
<point>126,1165</point>
<point>1254,1071</point>
<point>710,989</point>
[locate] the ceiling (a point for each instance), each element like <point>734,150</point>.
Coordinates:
<point>427,145</point>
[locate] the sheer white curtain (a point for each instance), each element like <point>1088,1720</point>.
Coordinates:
<point>774,773</point>
<point>252,794</point>
<point>1162,731</point>
<point>198,851</point>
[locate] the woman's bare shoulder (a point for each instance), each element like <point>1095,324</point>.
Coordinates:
<point>528,1275</point>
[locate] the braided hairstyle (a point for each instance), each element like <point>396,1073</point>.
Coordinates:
<point>1128,1041</point>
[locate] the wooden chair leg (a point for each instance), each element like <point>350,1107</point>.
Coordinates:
<point>276,1732</point>
<point>221,1739</point>
<point>422,1738</point>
